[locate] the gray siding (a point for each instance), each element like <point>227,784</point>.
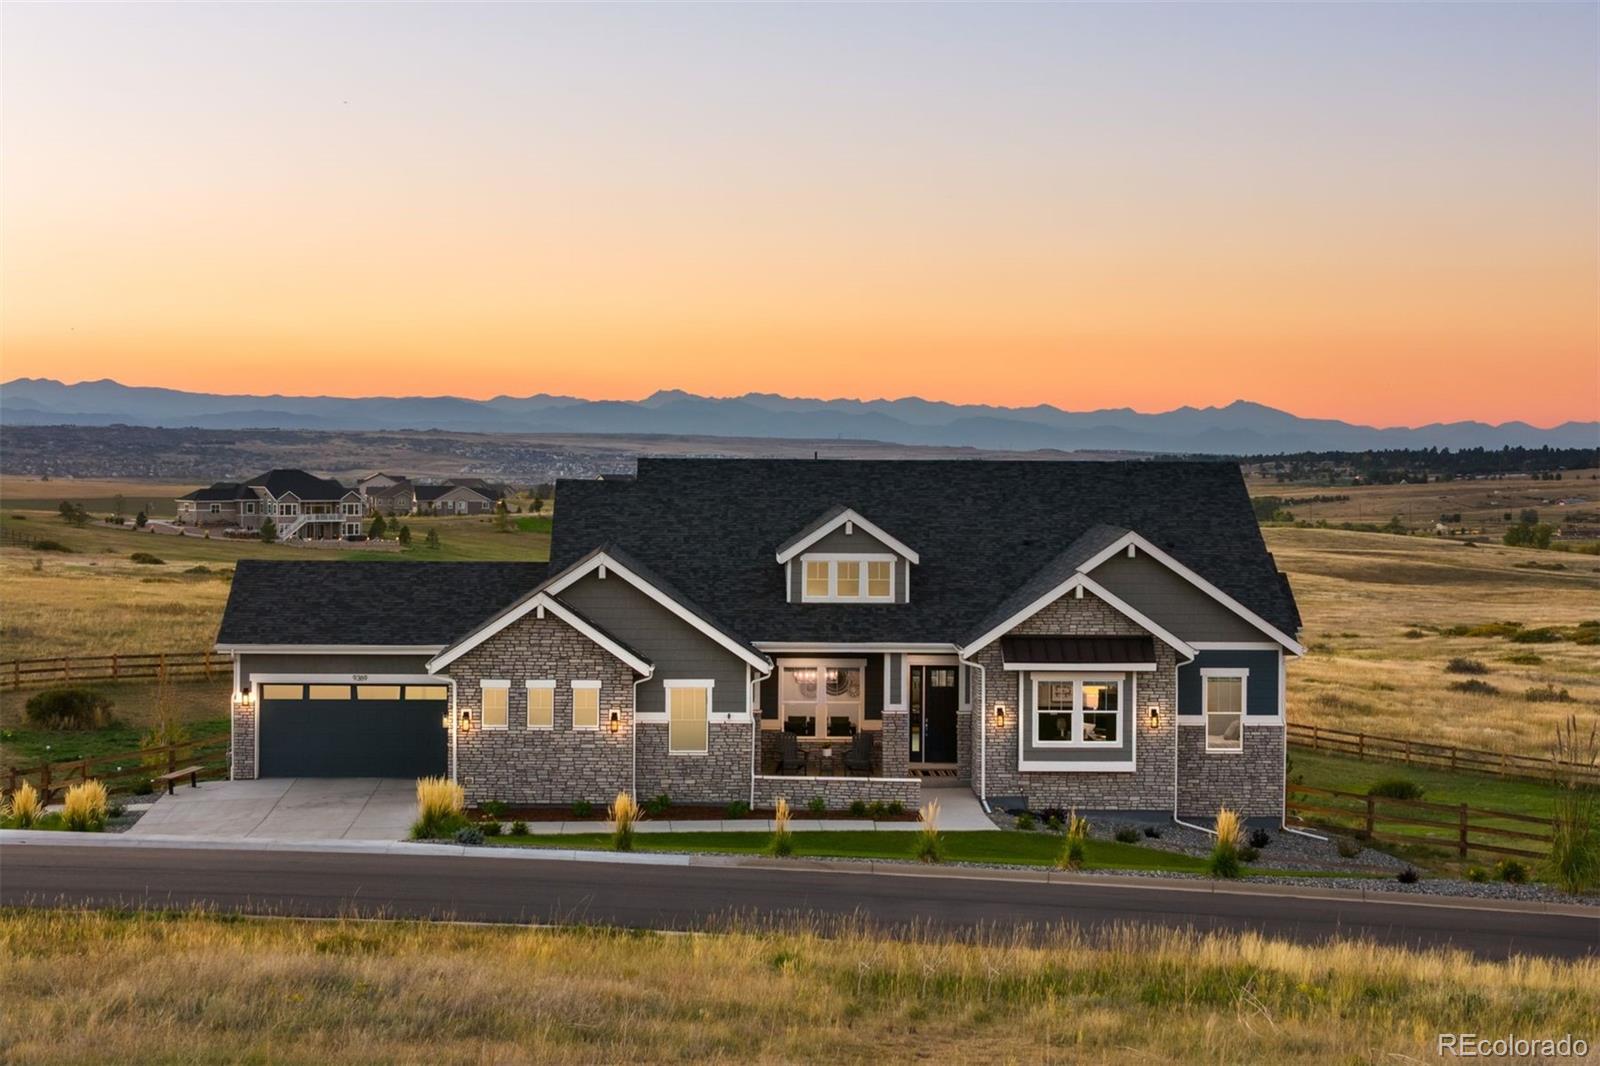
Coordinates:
<point>332,663</point>
<point>677,649</point>
<point>1170,601</point>
<point>1123,752</point>
<point>896,670</point>
<point>1261,687</point>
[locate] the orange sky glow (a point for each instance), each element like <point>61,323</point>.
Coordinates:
<point>1381,214</point>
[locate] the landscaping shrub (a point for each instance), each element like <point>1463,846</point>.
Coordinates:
<point>146,559</point>
<point>69,708</point>
<point>736,809</point>
<point>858,808</point>
<point>930,845</point>
<point>469,835</point>
<point>658,805</point>
<point>1074,843</point>
<point>1575,829</point>
<point>583,809</point>
<point>782,842</point>
<point>494,808</point>
<point>896,808</point>
<point>817,805</point>
<point>1511,871</point>
<point>1224,859</point>
<point>624,816</point>
<point>1024,822</point>
<point>24,808</point>
<point>1474,687</point>
<point>1259,838</point>
<point>1548,694</point>
<point>1397,788</point>
<point>1128,835</point>
<point>1248,854</point>
<point>1459,665</point>
<point>1408,876</point>
<point>84,809</point>
<point>1348,847</point>
<point>878,809</point>
<point>1477,875</point>
<point>440,803</point>
<point>519,828</point>
<point>491,828</point>
<point>143,786</point>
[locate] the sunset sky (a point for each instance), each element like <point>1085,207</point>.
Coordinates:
<point>1386,214</point>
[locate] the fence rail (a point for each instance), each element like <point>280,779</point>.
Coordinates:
<point>210,753</point>
<point>1438,756</point>
<point>1464,827</point>
<point>20,673</point>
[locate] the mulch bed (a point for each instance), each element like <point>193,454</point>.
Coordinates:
<point>681,812</point>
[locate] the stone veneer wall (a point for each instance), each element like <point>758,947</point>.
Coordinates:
<point>243,752</point>
<point>721,775</point>
<point>837,792</point>
<point>896,743</point>
<point>1251,781</point>
<point>1147,788</point>
<point>534,766</point>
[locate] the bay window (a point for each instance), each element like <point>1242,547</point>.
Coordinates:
<point>1077,711</point>
<point>822,698</point>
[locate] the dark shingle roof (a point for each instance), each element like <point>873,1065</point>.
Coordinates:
<point>429,493</point>
<point>222,490</point>
<point>984,530</point>
<point>293,602</point>
<point>1063,649</point>
<point>1093,540</point>
<point>306,486</point>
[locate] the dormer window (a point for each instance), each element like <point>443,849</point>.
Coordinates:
<point>835,578</point>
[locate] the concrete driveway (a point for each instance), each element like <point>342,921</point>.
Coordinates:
<point>287,808</point>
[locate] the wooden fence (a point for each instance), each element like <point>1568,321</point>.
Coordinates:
<point>127,766</point>
<point>19,673</point>
<point>1452,827</point>
<point>1438,756</point>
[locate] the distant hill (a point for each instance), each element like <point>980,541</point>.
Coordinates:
<point>1240,428</point>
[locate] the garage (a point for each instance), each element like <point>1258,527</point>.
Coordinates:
<point>316,729</point>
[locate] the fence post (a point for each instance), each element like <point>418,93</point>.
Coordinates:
<point>115,673</point>
<point>44,782</point>
<point>1361,745</point>
<point>172,757</point>
<point>1461,844</point>
<point>1316,738</point>
<point>1407,756</point>
<point>1371,815</point>
<point>1453,750</point>
<point>16,673</point>
<point>66,669</point>
<point>208,664</point>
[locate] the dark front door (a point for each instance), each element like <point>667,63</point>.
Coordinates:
<point>330,736</point>
<point>934,700</point>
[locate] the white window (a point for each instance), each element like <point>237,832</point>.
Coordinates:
<point>216,508</point>
<point>822,698</point>
<point>541,704</point>
<point>352,529</point>
<point>688,717</point>
<point>495,701</point>
<point>249,508</point>
<point>1077,712</point>
<point>848,578</point>
<point>288,509</point>
<point>586,705</point>
<point>352,508</point>
<point>1222,702</point>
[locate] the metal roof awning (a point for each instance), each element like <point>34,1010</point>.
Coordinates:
<point>1047,652</point>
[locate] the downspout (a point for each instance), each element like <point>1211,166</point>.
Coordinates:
<point>981,717</point>
<point>633,767</point>
<point>755,726</point>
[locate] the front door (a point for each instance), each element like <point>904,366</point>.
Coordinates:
<point>934,700</point>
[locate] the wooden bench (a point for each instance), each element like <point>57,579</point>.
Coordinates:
<point>191,772</point>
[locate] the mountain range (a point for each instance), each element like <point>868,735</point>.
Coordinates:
<point>1240,428</point>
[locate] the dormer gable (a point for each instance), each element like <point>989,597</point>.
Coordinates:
<point>843,557</point>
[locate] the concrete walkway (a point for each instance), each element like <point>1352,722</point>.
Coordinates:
<point>293,808</point>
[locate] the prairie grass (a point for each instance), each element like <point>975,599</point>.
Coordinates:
<point>440,806</point>
<point>23,809</point>
<point>1074,842</point>
<point>196,988</point>
<point>624,816</point>
<point>930,844</point>
<point>84,808</point>
<point>1224,860</point>
<point>782,842</point>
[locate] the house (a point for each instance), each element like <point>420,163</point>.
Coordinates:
<point>387,494</point>
<point>454,499</point>
<point>1106,636</point>
<point>302,506</point>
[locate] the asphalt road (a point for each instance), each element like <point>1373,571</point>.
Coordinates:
<point>687,897</point>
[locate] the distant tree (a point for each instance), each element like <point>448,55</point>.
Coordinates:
<point>378,528</point>
<point>432,539</point>
<point>269,531</point>
<point>502,517</point>
<point>72,514</point>
<point>1528,516</point>
<point>140,520</point>
<point>1506,517</point>
<point>405,535</point>
<point>120,506</point>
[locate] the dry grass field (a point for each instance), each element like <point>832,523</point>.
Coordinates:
<point>97,494</point>
<point>1377,609</point>
<point>118,988</point>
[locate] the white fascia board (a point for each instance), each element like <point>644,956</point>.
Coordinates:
<point>1133,539</point>
<point>1081,668</point>
<point>329,649</point>
<point>548,603</point>
<point>824,649</point>
<point>838,520</point>
<point>1033,766</point>
<point>1075,581</point>
<point>614,567</point>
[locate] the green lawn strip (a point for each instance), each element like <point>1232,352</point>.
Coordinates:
<point>30,747</point>
<point>1002,848</point>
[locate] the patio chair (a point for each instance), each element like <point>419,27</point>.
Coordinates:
<point>790,761</point>
<point>859,756</point>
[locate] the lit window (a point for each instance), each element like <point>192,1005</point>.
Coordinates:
<point>847,574</point>
<point>821,699</point>
<point>880,579</point>
<point>1224,711</point>
<point>816,579</point>
<point>541,704</point>
<point>586,705</point>
<point>688,713</point>
<point>1077,712</point>
<point>496,698</point>
<point>330,692</point>
<point>283,692</point>
<point>377,692</point>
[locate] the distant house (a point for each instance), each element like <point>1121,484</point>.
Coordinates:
<point>454,499</point>
<point>389,494</point>
<point>302,506</point>
<point>492,490</point>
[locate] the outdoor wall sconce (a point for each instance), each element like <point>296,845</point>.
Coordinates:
<point>1155,716</point>
<point>466,720</point>
<point>1000,715</point>
<point>242,700</point>
<point>616,721</point>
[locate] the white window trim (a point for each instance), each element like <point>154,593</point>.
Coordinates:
<point>833,559</point>
<point>850,519</point>
<point>1243,674</point>
<point>546,684</point>
<point>821,703</point>
<point>482,724</point>
<point>706,684</point>
<point>1078,681</point>
<point>599,712</point>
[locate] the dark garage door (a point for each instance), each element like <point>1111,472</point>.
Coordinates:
<point>317,730</point>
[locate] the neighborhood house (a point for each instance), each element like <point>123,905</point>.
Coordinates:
<point>1105,636</point>
<point>303,506</point>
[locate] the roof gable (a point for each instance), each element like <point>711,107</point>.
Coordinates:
<point>839,519</point>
